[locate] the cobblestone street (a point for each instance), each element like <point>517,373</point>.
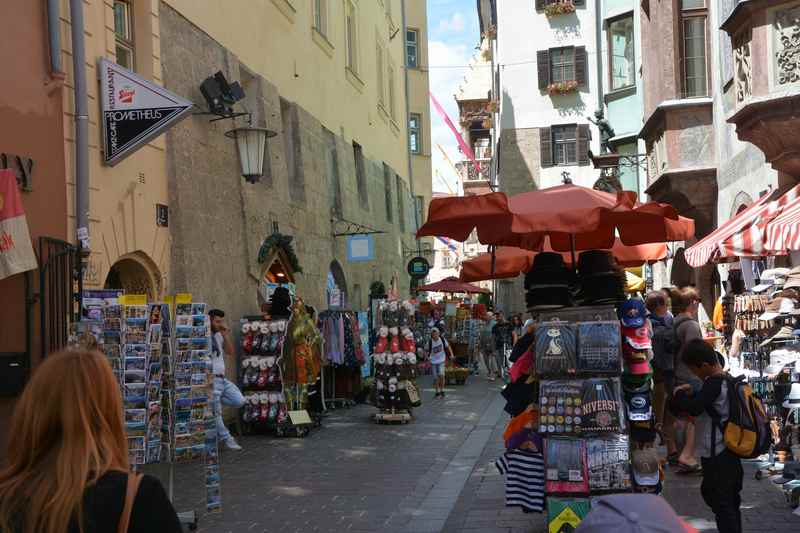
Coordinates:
<point>435,474</point>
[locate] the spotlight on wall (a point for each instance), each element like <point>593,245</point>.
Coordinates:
<point>221,95</point>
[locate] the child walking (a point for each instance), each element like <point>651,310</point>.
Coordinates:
<point>722,470</point>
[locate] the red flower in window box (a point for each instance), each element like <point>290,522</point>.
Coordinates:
<point>562,87</point>
<point>559,8</point>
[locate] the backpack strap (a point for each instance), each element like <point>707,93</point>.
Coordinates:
<point>728,381</point>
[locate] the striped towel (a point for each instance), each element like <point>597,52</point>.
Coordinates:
<point>524,473</point>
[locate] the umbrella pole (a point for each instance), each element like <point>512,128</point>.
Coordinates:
<point>494,259</point>
<point>572,251</point>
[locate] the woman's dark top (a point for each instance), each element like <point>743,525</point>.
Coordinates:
<point>152,510</point>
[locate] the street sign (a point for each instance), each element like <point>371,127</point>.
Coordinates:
<point>418,267</point>
<point>134,111</point>
<point>360,248</point>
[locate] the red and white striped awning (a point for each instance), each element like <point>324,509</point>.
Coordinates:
<point>782,233</point>
<point>744,235</point>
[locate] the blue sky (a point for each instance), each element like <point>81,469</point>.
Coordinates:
<point>453,34</point>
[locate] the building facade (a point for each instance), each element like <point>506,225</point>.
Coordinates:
<point>328,78</point>
<point>32,146</point>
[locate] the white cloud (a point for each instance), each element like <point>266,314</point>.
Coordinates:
<point>454,24</point>
<point>444,83</point>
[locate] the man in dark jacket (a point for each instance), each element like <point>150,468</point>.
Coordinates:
<point>664,368</point>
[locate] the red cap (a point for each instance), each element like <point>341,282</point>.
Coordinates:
<point>639,338</point>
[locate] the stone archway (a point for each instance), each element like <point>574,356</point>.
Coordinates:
<point>336,285</point>
<point>135,273</point>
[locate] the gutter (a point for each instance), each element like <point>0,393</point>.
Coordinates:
<point>81,124</point>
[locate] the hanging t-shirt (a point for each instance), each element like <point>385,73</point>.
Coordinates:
<point>524,472</point>
<point>438,351</point>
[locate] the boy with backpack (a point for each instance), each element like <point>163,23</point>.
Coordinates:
<point>731,424</point>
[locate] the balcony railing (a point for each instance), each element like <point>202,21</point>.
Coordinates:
<point>469,172</point>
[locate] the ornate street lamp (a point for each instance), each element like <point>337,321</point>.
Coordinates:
<point>251,145</point>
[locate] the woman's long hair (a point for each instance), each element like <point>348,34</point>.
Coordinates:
<point>67,432</point>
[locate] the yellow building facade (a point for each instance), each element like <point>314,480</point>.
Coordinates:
<point>128,249</point>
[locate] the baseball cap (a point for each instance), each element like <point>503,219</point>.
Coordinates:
<point>632,513</point>
<point>645,467</point>
<point>640,408</point>
<point>638,338</point>
<point>632,313</point>
<point>636,363</point>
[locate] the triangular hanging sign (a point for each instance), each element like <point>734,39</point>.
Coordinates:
<point>134,111</point>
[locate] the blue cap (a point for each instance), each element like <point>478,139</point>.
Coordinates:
<point>632,313</point>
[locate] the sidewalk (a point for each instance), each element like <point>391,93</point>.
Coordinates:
<point>434,474</point>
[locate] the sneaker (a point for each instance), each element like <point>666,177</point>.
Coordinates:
<point>231,444</point>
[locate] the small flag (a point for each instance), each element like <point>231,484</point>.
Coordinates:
<point>16,250</point>
<point>464,146</point>
<point>449,243</point>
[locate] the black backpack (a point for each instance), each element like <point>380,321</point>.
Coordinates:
<point>663,346</point>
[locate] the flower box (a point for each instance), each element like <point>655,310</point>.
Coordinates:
<point>562,87</point>
<point>559,8</point>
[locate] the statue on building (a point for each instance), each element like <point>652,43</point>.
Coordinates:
<point>606,131</point>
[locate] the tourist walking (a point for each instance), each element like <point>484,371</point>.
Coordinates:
<point>225,391</point>
<point>661,321</point>
<point>685,303</point>
<point>489,349</point>
<point>67,465</point>
<point>439,350</point>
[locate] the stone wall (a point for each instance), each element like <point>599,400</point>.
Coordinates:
<point>219,221</point>
<point>520,161</point>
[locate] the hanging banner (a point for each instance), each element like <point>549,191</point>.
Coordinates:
<point>134,111</point>
<point>16,250</point>
<point>464,146</point>
<point>363,330</point>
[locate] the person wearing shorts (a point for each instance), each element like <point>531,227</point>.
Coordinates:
<point>438,350</point>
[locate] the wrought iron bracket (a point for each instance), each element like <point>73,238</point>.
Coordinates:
<point>424,250</point>
<point>344,228</point>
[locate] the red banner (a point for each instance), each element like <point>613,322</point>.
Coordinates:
<point>16,250</point>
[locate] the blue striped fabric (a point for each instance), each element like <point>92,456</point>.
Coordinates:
<point>524,472</point>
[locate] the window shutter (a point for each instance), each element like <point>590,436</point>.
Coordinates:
<point>580,65</point>
<point>540,5</point>
<point>546,147</point>
<point>583,136</point>
<point>543,64</point>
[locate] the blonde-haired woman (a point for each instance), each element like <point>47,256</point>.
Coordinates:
<point>67,463</point>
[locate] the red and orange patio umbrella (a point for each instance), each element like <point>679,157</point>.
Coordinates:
<point>511,262</point>
<point>453,285</point>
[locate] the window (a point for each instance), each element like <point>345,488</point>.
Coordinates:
<point>419,214</point>
<point>620,46</point>
<point>412,48</point>
<point>695,61</point>
<point>564,145</point>
<point>380,69</point>
<point>123,32</point>
<point>291,147</point>
<point>401,208</point>
<point>388,5</point>
<point>361,175</point>
<point>387,189</point>
<point>351,36</point>
<point>560,65</point>
<point>392,94</point>
<point>332,167</point>
<point>321,16</point>
<point>415,133</point>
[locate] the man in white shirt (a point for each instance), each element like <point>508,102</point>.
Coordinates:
<point>225,392</point>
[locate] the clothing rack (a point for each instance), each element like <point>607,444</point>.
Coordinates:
<point>333,400</point>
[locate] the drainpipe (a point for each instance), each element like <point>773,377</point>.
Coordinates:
<point>409,156</point>
<point>54,33</point>
<point>599,37</point>
<point>81,124</point>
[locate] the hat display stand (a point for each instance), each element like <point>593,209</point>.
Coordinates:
<point>395,353</point>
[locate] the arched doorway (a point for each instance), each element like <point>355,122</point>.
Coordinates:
<point>336,286</point>
<point>135,274</point>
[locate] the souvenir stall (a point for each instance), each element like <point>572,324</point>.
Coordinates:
<point>580,399</point>
<point>342,357</point>
<point>395,362</point>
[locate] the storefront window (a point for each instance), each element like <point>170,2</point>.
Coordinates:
<point>621,46</point>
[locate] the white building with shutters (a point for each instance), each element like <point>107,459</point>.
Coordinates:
<point>547,80</point>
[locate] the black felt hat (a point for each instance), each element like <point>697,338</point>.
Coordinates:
<point>548,297</point>
<point>607,287</point>
<point>596,262</point>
